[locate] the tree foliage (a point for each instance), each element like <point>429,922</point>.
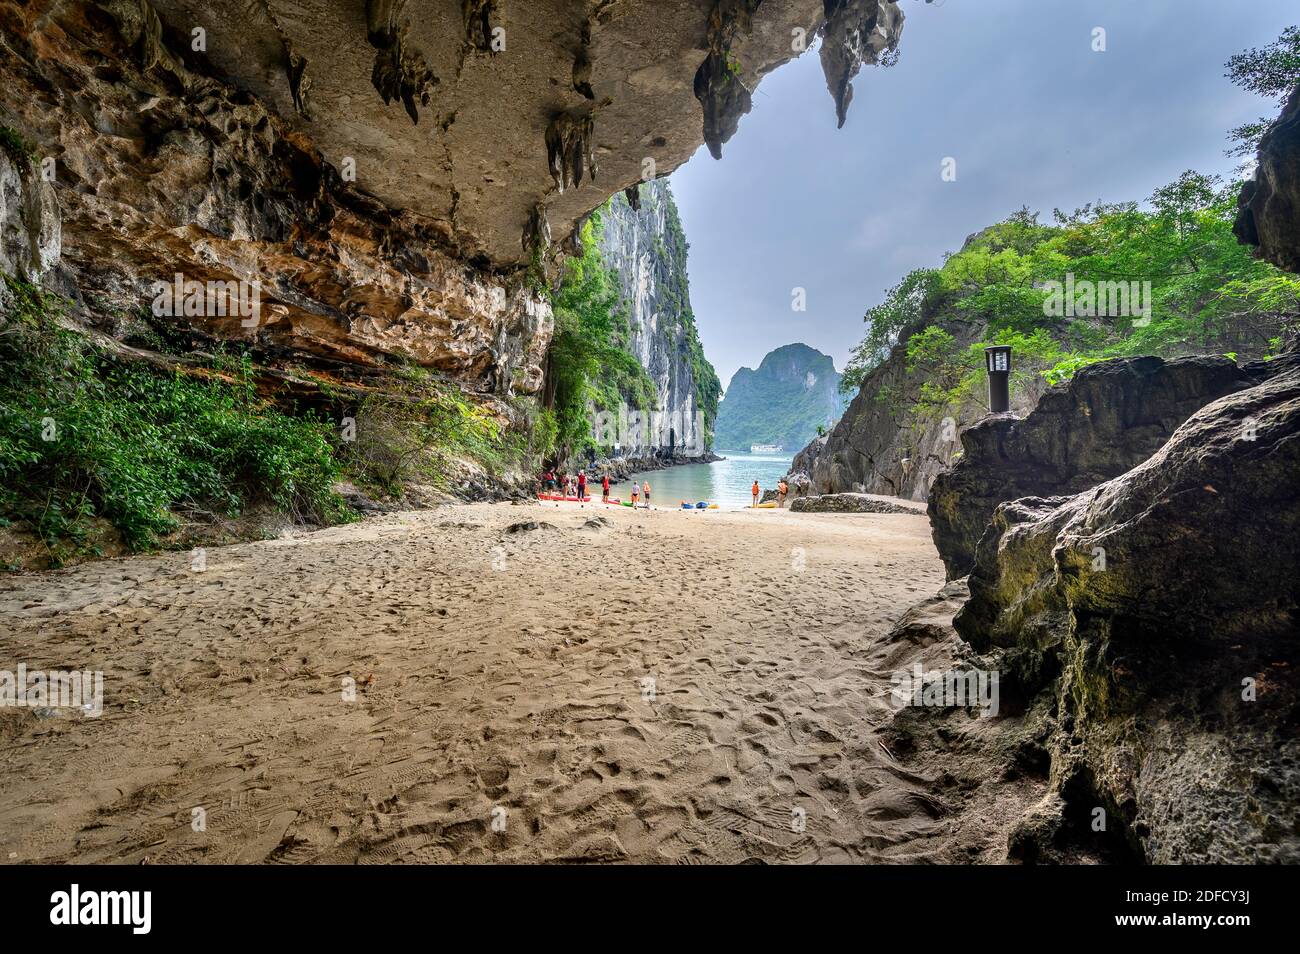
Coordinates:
<point>1272,71</point>
<point>1208,294</point>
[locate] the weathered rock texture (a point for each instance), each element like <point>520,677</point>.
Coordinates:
<point>162,170</point>
<point>30,231</point>
<point>1270,203</point>
<point>1159,612</point>
<point>647,249</point>
<point>850,503</point>
<point>390,172</point>
<point>1107,419</point>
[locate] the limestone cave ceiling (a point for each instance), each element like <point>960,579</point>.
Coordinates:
<point>476,112</point>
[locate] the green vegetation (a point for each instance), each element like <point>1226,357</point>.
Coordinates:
<point>590,365</point>
<point>1207,295</point>
<point>794,392</point>
<point>89,443</point>
<point>81,437</point>
<point>16,147</point>
<point>421,429</point>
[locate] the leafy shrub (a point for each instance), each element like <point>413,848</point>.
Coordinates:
<point>419,429</point>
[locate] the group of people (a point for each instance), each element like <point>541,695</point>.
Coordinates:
<point>782,491</point>
<point>575,485</point>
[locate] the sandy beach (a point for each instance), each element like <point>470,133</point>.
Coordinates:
<point>605,685</point>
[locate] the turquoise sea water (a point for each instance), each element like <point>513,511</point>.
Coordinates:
<point>725,482</point>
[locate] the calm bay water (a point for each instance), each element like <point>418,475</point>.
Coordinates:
<point>725,482</point>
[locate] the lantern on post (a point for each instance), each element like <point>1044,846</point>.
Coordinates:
<point>997,360</point>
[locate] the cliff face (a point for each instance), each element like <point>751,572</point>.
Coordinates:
<point>794,390</point>
<point>1270,202</point>
<point>647,249</point>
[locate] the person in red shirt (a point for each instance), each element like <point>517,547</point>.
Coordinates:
<point>582,484</point>
<point>604,489</point>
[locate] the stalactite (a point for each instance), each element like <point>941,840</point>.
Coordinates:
<point>141,27</point>
<point>537,233</point>
<point>718,86</point>
<point>582,65</point>
<point>400,71</point>
<point>479,17</point>
<point>299,81</point>
<point>570,149</point>
<point>855,32</point>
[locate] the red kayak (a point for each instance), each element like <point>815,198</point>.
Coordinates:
<point>562,497</point>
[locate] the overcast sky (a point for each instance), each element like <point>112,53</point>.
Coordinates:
<point>1012,90</point>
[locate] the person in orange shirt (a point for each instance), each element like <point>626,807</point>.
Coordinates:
<point>645,492</point>
<point>755,491</point>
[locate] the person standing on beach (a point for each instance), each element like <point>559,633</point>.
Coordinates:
<point>604,488</point>
<point>582,484</point>
<point>755,491</point>
<point>646,491</point>
<point>782,488</point>
<point>636,494</point>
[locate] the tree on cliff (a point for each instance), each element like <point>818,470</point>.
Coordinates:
<point>1272,71</point>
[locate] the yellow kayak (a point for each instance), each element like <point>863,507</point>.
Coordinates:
<point>771,504</point>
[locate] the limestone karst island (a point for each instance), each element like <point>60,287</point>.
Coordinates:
<point>858,432</point>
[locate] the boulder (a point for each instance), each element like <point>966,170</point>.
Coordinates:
<point>1110,417</point>
<point>1160,611</point>
<point>851,503</point>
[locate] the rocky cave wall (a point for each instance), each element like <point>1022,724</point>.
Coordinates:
<point>390,173</point>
